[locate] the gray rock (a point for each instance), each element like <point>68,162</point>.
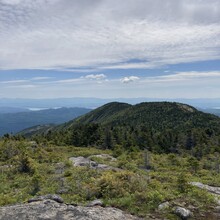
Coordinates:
<point>211,189</point>
<point>83,162</point>
<point>215,191</point>
<point>96,202</point>
<point>53,197</point>
<point>182,213</point>
<point>163,206</point>
<point>86,162</point>
<point>51,210</point>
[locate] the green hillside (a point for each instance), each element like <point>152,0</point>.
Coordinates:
<point>36,130</point>
<point>104,114</point>
<point>157,115</point>
<point>158,126</point>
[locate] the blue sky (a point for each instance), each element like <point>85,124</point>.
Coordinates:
<point>110,49</point>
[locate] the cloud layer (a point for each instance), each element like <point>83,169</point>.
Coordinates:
<point>174,85</point>
<point>106,34</point>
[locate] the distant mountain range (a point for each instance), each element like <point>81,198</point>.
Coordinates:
<point>96,102</point>
<point>15,122</point>
<point>4,110</point>
<point>212,111</point>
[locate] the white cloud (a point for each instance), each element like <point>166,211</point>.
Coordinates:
<point>99,78</point>
<point>95,76</point>
<point>175,85</point>
<point>67,81</point>
<point>129,79</point>
<point>14,81</point>
<point>184,76</point>
<point>23,86</point>
<point>108,34</point>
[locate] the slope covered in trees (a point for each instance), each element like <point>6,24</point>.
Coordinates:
<point>162,127</point>
<point>104,114</point>
<point>158,115</point>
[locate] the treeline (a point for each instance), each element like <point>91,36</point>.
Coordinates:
<point>196,141</point>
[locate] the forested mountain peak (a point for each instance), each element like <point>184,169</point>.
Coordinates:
<point>159,115</point>
<point>158,126</point>
<point>103,113</point>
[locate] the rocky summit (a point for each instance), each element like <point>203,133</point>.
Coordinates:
<point>48,209</point>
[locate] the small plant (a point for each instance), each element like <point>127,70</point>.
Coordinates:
<point>26,164</point>
<point>35,184</point>
<point>182,183</point>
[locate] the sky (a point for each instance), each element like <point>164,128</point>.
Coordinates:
<point>110,48</point>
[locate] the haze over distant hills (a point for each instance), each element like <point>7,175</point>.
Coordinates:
<point>97,102</point>
<point>4,110</point>
<point>14,122</point>
<point>215,111</point>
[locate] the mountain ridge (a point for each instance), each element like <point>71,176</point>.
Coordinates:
<point>91,102</point>
<point>159,126</point>
<point>142,112</point>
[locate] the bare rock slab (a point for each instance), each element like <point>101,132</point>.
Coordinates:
<point>87,162</point>
<point>211,189</point>
<point>52,210</point>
